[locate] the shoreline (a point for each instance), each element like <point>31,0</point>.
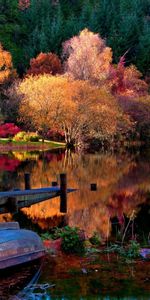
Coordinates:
<point>32,146</point>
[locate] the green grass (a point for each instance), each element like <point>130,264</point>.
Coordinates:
<point>47,144</point>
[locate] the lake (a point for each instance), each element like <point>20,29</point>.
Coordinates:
<point>123,194</point>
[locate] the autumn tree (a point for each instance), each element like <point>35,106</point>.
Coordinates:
<point>87,57</point>
<point>126,80</point>
<point>7,76</point>
<point>138,109</point>
<point>6,66</point>
<point>78,108</point>
<point>23,4</point>
<point>45,63</point>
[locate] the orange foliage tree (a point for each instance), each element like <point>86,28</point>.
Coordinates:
<point>77,107</point>
<point>48,63</point>
<point>7,73</point>
<point>87,57</point>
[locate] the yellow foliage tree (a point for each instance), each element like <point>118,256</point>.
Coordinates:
<point>77,107</point>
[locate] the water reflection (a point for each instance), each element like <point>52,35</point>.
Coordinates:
<point>123,182</point>
<point>12,283</point>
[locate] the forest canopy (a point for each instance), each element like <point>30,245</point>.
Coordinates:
<point>81,67</point>
<point>28,27</point>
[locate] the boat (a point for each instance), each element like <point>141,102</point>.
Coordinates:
<point>18,246</point>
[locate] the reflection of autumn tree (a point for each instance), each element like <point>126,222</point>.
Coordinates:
<point>8,163</point>
<point>87,210</point>
<point>122,181</point>
<point>6,218</point>
<point>125,202</point>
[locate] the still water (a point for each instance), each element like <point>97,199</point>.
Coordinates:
<point>123,190</point>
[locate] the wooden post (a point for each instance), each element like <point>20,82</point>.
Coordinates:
<point>27,181</point>
<point>93,187</point>
<point>54,183</point>
<point>12,205</point>
<point>63,193</point>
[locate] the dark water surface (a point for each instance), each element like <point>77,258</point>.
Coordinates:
<point>123,193</point>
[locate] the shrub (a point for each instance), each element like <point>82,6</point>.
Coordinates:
<point>56,233</point>
<point>95,239</point>
<point>72,240</point>
<point>31,137</point>
<point>46,236</point>
<point>8,130</point>
<point>133,250</point>
<point>26,137</point>
<point>19,136</point>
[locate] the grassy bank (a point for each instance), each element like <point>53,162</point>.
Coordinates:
<point>6,144</point>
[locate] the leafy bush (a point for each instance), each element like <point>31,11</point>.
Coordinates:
<point>95,239</point>
<point>72,240</point>
<point>19,136</point>
<point>46,236</point>
<point>8,130</point>
<point>56,233</point>
<point>31,137</point>
<point>26,137</point>
<point>130,252</point>
<point>133,250</point>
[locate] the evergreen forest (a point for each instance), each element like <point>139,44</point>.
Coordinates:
<point>41,39</point>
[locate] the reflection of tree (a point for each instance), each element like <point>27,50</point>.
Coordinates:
<point>8,163</point>
<point>122,182</point>
<point>6,218</point>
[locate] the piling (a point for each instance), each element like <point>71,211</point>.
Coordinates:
<point>54,183</point>
<point>93,187</point>
<point>12,205</point>
<point>63,193</point>
<point>27,181</point>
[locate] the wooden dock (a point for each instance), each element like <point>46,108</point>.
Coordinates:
<point>15,199</point>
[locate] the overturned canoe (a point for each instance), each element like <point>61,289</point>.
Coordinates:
<point>18,246</point>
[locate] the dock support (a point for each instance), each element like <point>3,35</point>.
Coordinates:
<point>27,181</point>
<point>12,205</point>
<point>63,193</point>
<point>93,187</point>
<point>54,183</point>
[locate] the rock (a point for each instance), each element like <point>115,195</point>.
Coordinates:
<point>145,253</point>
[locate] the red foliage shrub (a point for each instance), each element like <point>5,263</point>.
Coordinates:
<point>8,130</point>
<point>127,80</point>
<point>45,63</point>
